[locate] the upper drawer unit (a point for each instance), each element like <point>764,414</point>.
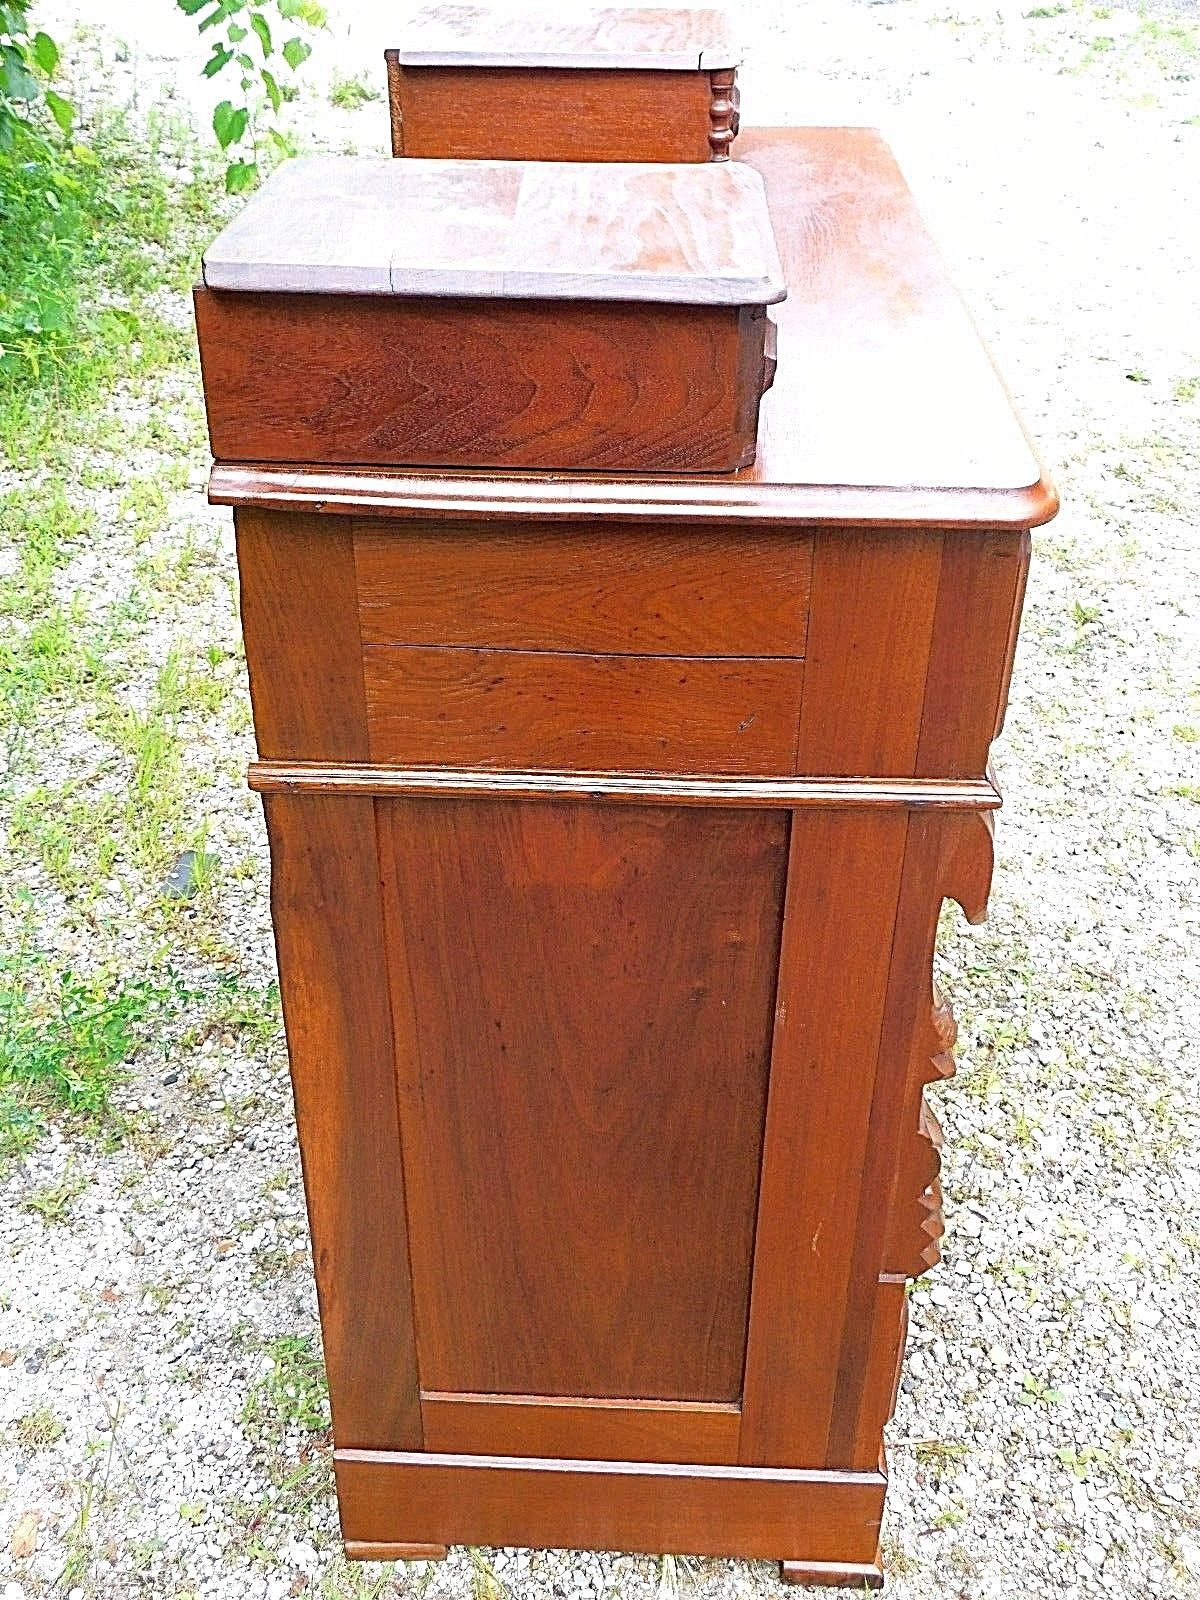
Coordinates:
<point>518,83</point>
<point>492,314</point>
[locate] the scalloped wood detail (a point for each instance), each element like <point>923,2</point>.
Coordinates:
<point>917,1222</point>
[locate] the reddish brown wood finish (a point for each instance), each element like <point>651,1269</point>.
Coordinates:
<point>592,590</point>
<point>560,113</point>
<point>300,606</point>
<point>552,1426</point>
<point>519,383</point>
<point>885,412</point>
<point>329,938</point>
<point>660,1158</point>
<point>843,875</point>
<point>519,708</point>
<point>582,1088</point>
<point>684,1508</point>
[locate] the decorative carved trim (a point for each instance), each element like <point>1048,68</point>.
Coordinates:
<point>911,794</point>
<point>917,1222</point>
<point>723,112</point>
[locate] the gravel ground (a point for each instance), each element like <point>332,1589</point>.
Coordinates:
<point>161,1405</point>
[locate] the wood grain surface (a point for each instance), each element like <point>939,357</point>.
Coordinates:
<point>736,1511</point>
<point>299,607</point>
<point>610,1083</point>
<point>552,114</point>
<point>328,922</point>
<point>345,379</point>
<point>513,35</point>
<point>663,591</point>
<point>981,588</point>
<point>843,878</point>
<point>886,410</point>
<point>546,1425</point>
<point>581,1088</point>
<point>945,857</point>
<point>524,708</point>
<point>666,233</point>
<point>870,632</point>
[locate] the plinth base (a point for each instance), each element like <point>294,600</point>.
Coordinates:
<point>410,1505</point>
<point>833,1574</point>
<point>362,1550</point>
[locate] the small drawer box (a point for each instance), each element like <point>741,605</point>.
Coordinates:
<point>492,314</point>
<point>571,85</point>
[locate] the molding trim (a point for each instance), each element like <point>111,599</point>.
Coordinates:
<point>576,497</point>
<point>904,794</point>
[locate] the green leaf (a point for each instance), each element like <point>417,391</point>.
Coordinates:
<point>309,11</point>
<point>240,176</point>
<point>220,58</point>
<point>191,7</point>
<point>17,84</point>
<point>261,27</point>
<point>245,63</point>
<point>296,53</point>
<point>229,124</point>
<point>274,93</point>
<point>45,53</point>
<point>62,111</point>
<point>237,33</point>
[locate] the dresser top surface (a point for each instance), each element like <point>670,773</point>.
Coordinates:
<point>886,408</point>
<point>532,35</point>
<point>698,233</point>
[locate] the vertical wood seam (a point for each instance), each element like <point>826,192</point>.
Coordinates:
<point>358,634</point>
<point>818,1445</point>
<point>863,1269</point>
<point>1025,547</point>
<point>389,934</point>
<point>762,1135</point>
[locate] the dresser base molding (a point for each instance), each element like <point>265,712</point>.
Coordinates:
<point>751,1512</point>
<point>833,1574</point>
<point>360,1550</point>
<point>316,777</point>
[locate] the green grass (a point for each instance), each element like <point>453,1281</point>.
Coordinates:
<point>65,1040</point>
<point>349,94</point>
<point>38,1430</point>
<point>44,527</point>
<point>87,244</point>
<point>291,1392</point>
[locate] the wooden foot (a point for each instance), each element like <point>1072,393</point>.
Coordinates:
<point>362,1550</point>
<point>834,1574</point>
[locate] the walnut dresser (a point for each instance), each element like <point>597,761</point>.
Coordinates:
<point>610,818</point>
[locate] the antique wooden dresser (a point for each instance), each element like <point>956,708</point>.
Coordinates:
<point>610,819</point>
<point>525,82</point>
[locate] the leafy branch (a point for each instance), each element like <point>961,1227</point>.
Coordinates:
<point>28,62</point>
<point>245,37</point>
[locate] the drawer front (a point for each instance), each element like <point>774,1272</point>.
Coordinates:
<point>557,113</point>
<point>555,385</point>
<point>539,709</point>
<point>604,590</point>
